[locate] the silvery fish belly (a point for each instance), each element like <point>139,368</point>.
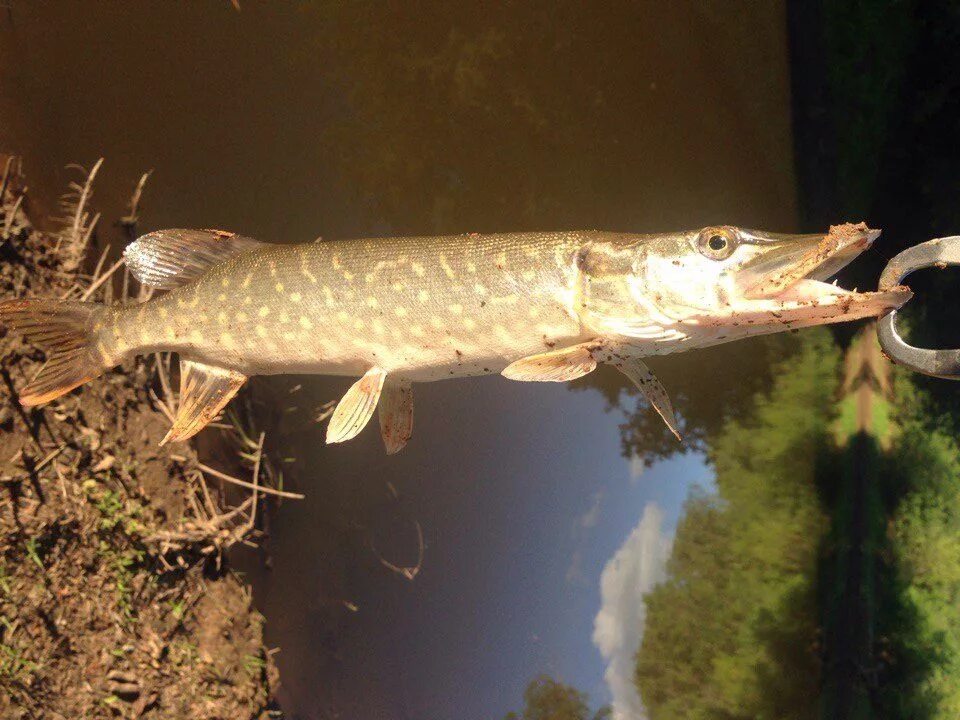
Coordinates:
<point>532,306</point>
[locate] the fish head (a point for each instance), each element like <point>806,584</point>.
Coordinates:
<point>722,283</point>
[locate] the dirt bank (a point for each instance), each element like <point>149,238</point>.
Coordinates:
<point>114,601</point>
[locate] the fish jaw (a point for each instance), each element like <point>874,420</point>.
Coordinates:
<point>783,288</point>
<point>781,261</point>
<point>806,303</point>
<point>768,283</point>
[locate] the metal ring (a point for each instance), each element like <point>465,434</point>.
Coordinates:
<point>937,363</point>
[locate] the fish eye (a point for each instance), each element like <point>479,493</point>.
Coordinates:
<point>717,243</point>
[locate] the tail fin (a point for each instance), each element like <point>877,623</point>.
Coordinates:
<point>65,330</point>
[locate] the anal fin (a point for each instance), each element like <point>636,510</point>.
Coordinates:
<point>356,407</point>
<point>625,359</point>
<point>555,366</point>
<point>204,391</point>
<point>396,414</point>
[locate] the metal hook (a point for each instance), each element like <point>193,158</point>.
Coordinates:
<point>938,363</point>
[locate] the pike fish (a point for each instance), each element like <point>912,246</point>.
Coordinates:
<point>543,307</point>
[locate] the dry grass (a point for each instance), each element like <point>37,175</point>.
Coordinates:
<point>113,601</point>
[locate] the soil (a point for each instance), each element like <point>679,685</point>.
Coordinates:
<point>114,600</point>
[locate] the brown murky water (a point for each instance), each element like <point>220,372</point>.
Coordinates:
<point>287,121</point>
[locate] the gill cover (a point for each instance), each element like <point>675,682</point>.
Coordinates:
<point>610,297</point>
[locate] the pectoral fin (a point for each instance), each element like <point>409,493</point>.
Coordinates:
<point>641,376</point>
<point>396,414</point>
<point>556,366</point>
<point>356,407</point>
<point>204,391</point>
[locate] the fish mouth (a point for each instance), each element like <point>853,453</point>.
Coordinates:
<point>786,279</point>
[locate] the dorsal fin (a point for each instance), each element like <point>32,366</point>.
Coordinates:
<point>166,259</point>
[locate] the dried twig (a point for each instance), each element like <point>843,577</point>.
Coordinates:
<point>243,483</point>
<point>101,280</point>
<point>130,220</point>
<point>410,571</point>
<point>6,177</point>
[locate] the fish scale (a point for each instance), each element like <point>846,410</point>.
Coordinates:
<point>542,307</point>
<point>424,308</point>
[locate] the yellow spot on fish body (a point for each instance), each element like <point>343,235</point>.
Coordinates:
<point>306,323</point>
<point>418,269</point>
<point>400,311</point>
<point>241,317</point>
<point>248,300</point>
<point>310,276</point>
<point>501,260</point>
<point>398,287</point>
<point>469,323</point>
<point>348,276</point>
<point>423,296</point>
<point>378,326</point>
<point>328,295</point>
<point>295,297</point>
<point>471,267</point>
<point>372,301</point>
<point>343,316</point>
<point>246,281</point>
<point>263,311</point>
<point>417,331</point>
<point>358,324</point>
<point>479,289</point>
<point>181,303</point>
<point>456,309</point>
<point>225,282</point>
<point>534,312</point>
<point>221,297</point>
<point>261,331</point>
<point>222,318</point>
<point>436,322</point>
<point>227,340</point>
<point>336,262</point>
<point>446,267</point>
<point>273,269</point>
<point>528,275</point>
<point>279,287</point>
<point>163,312</point>
<point>501,332</point>
<point>170,333</point>
<point>284,318</point>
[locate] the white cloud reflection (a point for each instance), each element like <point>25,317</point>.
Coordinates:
<point>632,572</point>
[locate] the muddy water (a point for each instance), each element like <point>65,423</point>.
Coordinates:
<point>286,121</point>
